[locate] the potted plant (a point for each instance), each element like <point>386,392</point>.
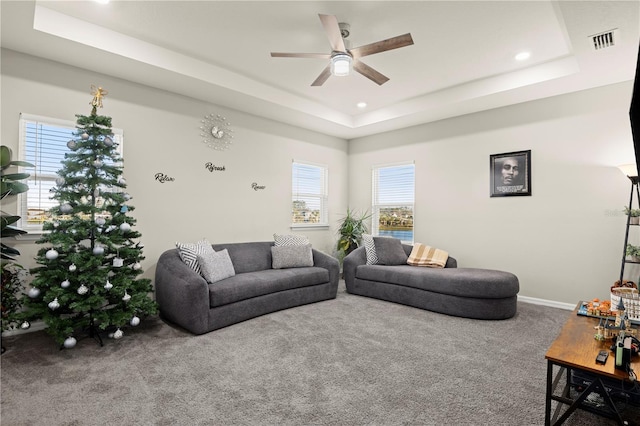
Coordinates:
<point>633,253</point>
<point>634,215</point>
<point>352,226</point>
<point>12,274</point>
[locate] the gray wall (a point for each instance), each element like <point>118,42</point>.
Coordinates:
<point>564,242</point>
<point>162,135</point>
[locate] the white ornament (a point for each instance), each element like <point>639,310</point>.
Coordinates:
<point>83,289</point>
<point>53,305</point>
<point>108,285</point>
<point>125,227</point>
<point>100,221</point>
<point>66,208</point>
<point>126,196</point>
<point>108,141</point>
<point>117,262</point>
<point>25,325</point>
<point>97,164</point>
<point>121,181</point>
<point>135,321</point>
<point>51,254</point>
<point>72,145</point>
<point>65,284</point>
<point>60,181</point>
<point>136,266</point>
<point>84,136</point>
<point>126,296</point>
<point>34,292</point>
<point>72,267</point>
<point>56,224</point>
<point>70,342</point>
<point>118,334</point>
<point>98,250</point>
<point>84,200</point>
<point>110,228</point>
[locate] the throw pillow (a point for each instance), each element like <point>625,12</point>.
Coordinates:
<point>370,249</point>
<point>189,252</point>
<point>216,266</point>
<point>291,256</point>
<point>290,240</point>
<point>389,251</point>
<point>423,255</point>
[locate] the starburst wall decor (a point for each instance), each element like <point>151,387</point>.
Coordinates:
<point>216,132</point>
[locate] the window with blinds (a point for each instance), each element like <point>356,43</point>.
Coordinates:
<point>393,201</point>
<point>43,143</point>
<point>309,195</point>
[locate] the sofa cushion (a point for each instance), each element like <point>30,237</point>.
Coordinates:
<point>463,282</point>
<point>216,266</point>
<point>290,240</point>
<point>189,253</point>
<point>389,251</point>
<point>254,284</point>
<point>423,255</point>
<point>248,257</point>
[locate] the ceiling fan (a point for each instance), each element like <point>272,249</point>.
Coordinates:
<point>342,59</point>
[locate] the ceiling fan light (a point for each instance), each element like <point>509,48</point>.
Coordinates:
<point>341,64</point>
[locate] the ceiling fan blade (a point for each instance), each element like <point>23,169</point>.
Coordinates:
<point>324,75</point>
<point>300,55</point>
<point>331,27</point>
<point>370,73</point>
<point>382,46</point>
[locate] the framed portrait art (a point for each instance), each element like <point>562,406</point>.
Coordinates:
<point>510,174</point>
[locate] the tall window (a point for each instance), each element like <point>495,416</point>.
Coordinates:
<point>309,195</point>
<point>43,143</point>
<point>393,201</point>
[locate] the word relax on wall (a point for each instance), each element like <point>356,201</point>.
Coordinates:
<point>162,178</point>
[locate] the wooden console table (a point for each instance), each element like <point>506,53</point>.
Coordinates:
<point>575,349</point>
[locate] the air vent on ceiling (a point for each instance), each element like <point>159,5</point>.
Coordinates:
<point>604,40</point>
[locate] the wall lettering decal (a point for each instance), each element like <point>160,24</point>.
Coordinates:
<point>255,186</point>
<point>213,168</point>
<point>162,178</point>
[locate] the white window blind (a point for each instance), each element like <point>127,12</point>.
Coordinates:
<point>43,143</point>
<point>393,201</point>
<point>309,195</point>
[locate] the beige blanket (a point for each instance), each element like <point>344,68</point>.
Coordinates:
<point>423,255</point>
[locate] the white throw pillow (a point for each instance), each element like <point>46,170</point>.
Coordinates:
<point>291,256</point>
<point>290,240</point>
<point>216,266</point>
<point>370,249</point>
<point>189,252</point>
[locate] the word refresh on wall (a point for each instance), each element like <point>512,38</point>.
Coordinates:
<point>213,168</point>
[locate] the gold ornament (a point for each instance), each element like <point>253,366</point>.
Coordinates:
<point>98,93</point>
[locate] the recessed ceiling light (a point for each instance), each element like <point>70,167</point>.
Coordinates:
<point>522,56</point>
<point>361,105</point>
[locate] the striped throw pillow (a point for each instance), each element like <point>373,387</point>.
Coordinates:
<point>290,240</point>
<point>370,249</point>
<point>189,253</point>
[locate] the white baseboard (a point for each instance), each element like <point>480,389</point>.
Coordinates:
<point>545,302</point>
<point>35,326</point>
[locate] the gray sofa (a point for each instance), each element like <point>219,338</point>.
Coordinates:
<point>464,292</point>
<point>186,299</point>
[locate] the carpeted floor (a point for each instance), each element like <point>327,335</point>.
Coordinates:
<point>348,361</point>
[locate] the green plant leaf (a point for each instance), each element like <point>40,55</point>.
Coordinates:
<point>5,156</point>
<point>16,176</point>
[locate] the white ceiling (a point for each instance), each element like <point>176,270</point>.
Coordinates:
<point>462,60</point>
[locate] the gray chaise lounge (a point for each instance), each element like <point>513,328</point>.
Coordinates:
<point>186,299</point>
<point>463,292</point>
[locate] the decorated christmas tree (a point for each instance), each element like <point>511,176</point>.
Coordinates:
<point>88,279</point>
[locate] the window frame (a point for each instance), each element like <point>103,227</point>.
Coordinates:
<point>22,201</point>
<point>376,205</point>
<point>323,196</point>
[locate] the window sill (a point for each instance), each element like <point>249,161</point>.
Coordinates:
<point>309,226</point>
